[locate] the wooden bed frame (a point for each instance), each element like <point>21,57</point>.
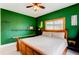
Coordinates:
<point>26,49</point>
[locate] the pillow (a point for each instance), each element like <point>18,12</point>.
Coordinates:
<point>58,34</point>
<point>47,34</point>
<point>54,34</point>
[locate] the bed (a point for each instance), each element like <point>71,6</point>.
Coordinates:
<point>49,43</point>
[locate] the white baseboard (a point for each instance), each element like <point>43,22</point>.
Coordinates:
<point>1,46</point>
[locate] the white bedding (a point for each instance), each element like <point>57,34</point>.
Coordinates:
<point>47,45</point>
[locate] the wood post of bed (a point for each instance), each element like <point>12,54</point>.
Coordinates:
<point>17,43</point>
<point>65,51</point>
<point>65,34</point>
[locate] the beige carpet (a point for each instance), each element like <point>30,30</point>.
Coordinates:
<point>11,50</point>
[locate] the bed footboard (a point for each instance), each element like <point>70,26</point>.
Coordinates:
<point>25,49</point>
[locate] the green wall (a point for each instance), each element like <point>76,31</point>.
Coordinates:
<point>66,12</point>
<point>0,26</point>
<point>14,24</point>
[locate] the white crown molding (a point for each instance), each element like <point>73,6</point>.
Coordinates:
<point>21,8</point>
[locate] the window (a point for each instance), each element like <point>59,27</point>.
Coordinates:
<point>74,20</point>
<point>55,24</point>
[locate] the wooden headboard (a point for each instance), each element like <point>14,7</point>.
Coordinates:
<point>58,30</point>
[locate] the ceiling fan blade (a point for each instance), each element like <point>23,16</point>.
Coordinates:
<point>28,6</point>
<point>42,7</point>
<point>36,3</point>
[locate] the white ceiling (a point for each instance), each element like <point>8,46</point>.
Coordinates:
<point>21,8</point>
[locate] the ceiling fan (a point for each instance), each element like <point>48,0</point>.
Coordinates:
<point>36,6</point>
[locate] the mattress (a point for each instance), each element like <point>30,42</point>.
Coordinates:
<point>47,45</point>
